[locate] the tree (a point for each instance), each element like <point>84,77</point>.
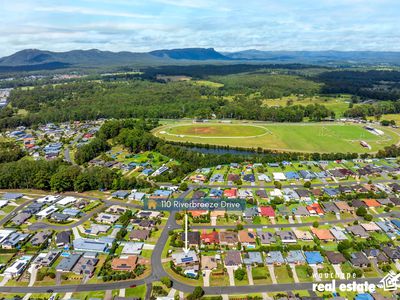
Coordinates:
<point>198,292</point>
<point>183,186</point>
<point>361,211</point>
<point>239,274</point>
<point>307,184</point>
<point>167,282</point>
<point>315,224</point>
<point>278,184</point>
<point>368,217</point>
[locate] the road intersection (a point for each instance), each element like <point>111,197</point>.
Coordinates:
<point>157,269</point>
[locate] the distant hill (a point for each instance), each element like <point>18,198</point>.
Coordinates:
<point>318,57</point>
<point>76,57</point>
<point>190,54</point>
<point>33,59</point>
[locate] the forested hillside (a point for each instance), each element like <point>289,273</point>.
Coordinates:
<point>147,99</point>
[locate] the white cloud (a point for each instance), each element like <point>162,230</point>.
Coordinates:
<point>91,11</point>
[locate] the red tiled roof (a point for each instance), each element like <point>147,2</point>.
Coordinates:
<point>371,203</point>
<point>230,193</point>
<point>267,211</point>
<point>210,238</point>
<point>315,207</point>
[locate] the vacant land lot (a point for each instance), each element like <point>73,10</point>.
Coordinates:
<point>307,137</point>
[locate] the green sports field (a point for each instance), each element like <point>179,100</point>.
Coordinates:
<point>307,137</point>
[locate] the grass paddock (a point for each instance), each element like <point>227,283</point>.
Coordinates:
<point>304,137</point>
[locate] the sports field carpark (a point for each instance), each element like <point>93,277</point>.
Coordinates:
<point>306,137</point>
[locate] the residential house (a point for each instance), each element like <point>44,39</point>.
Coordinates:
<point>247,238</point>
<point>63,238</point>
<point>40,237</point>
<point>335,258</point>
<point>304,195</point>
<point>279,176</point>
<point>17,267</point>
<point>139,234</point>
<point>233,177</point>
<point>233,258</point>
<point>301,211</point>
<point>266,238</point>
<point>250,212</point>
<point>193,238</point>
<point>344,207</point>
<point>338,233</point>
<point>230,193</point>
<point>371,203</point>
<point>20,218</point>
<point>323,234</point>
<point>295,257</point>
<point>376,254</point>
<point>229,238</point>
<point>370,227</point>
<point>315,209</point>
<point>275,258</point>
<point>267,211</point>
<point>208,262</point>
<point>313,257</point>
<point>358,259</point>
<point>125,263</point>
<point>303,235</point>
<point>85,266</point>
<point>185,260</point>
<point>392,253</point>
<point>132,248</point>
<point>358,230</point>
<point>287,236</point>
<point>93,245</point>
<point>107,218</point>
<point>330,207</point>
<point>210,238</point>
<point>120,194</point>
<point>262,194</point>
<point>253,258</point>
<point>68,262</point>
<point>14,240</point>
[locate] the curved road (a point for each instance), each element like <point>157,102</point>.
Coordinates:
<point>158,271</point>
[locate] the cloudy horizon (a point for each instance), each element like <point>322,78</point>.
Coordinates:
<point>226,25</point>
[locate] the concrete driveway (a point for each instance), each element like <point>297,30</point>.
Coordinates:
<point>338,271</point>
<point>206,277</point>
<point>295,277</point>
<point>5,280</point>
<point>33,271</point>
<point>231,274</point>
<point>272,273</point>
<point>249,275</point>
<point>315,272</point>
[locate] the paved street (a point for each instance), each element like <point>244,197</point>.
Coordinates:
<point>158,271</point>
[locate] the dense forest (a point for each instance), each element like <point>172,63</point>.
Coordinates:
<point>376,109</point>
<point>373,84</point>
<point>10,151</point>
<point>60,176</point>
<point>144,99</point>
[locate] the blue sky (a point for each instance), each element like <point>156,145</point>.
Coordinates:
<point>226,25</point>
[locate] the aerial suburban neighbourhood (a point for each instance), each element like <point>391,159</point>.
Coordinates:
<point>199,150</point>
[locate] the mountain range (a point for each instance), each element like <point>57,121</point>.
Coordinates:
<point>33,59</point>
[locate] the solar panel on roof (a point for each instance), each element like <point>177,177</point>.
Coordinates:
<point>187,259</point>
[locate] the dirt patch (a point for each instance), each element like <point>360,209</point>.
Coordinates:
<point>202,130</point>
